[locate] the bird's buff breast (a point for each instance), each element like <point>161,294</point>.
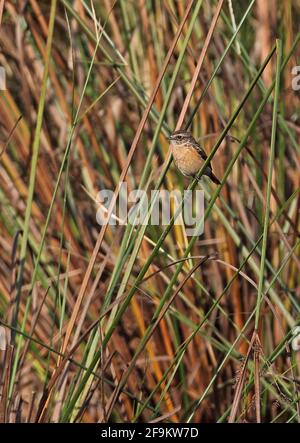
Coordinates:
<point>187,160</point>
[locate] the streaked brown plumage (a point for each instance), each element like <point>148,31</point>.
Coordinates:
<point>189,156</point>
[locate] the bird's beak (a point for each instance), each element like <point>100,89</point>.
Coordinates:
<point>170,138</point>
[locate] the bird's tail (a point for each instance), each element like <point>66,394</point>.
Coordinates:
<point>215,179</point>
<point>212,176</point>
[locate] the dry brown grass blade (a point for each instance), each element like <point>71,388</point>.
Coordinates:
<point>32,330</point>
<point>241,381</point>
<point>10,136</point>
<point>257,390</point>
<point>31,406</point>
<point>4,402</point>
<point>167,415</point>
<point>1,10</point>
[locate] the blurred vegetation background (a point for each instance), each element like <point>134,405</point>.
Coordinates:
<point>144,323</point>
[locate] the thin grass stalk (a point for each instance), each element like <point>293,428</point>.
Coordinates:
<point>269,184</point>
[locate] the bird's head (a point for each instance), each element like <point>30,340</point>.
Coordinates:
<point>181,137</point>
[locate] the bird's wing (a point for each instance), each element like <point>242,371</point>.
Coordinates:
<point>201,151</point>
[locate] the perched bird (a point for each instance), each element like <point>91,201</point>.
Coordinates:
<point>189,156</point>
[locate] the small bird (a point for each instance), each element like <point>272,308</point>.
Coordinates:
<point>189,156</point>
